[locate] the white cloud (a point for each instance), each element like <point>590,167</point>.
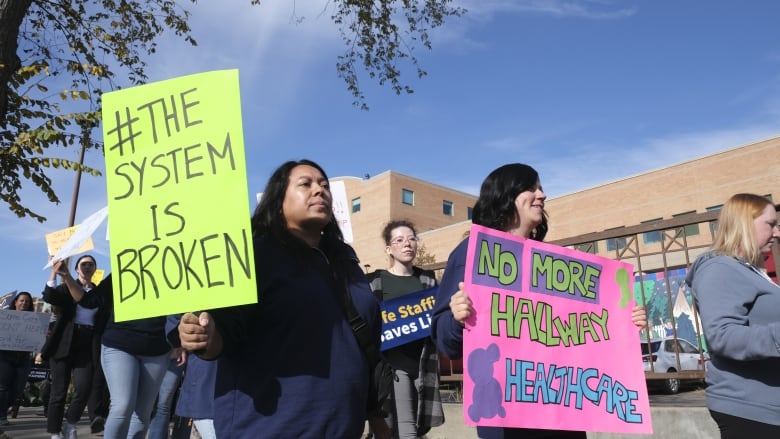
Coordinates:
<point>484,10</point>
<point>457,34</point>
<point>250,38</point>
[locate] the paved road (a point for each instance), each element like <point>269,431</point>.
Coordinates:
<point>30,424</point>
<point>686,398</point>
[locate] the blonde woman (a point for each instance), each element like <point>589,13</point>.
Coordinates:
<point>739,305</point>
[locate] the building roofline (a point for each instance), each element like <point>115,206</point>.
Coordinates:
<point>390,172</point>
<point>684,162</point>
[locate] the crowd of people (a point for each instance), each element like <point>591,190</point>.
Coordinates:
<point>302,361</point>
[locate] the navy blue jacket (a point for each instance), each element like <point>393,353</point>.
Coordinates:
<point>291,365</point>
<point>196,395</point>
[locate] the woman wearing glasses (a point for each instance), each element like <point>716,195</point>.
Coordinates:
<point>415,405</point>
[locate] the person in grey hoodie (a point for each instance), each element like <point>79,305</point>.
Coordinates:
<point>740,314</point>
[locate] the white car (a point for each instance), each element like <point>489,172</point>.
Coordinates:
<point>660,356</point>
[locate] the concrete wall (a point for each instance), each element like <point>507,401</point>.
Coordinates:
<point>668,423</point>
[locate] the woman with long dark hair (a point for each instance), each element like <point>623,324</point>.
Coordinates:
<point>511,200</point>
<point>14,365</point>
<point>291,365</point>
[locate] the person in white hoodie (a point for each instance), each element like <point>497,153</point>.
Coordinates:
<point>740,314</point>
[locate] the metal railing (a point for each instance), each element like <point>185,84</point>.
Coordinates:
<point>661,252</point>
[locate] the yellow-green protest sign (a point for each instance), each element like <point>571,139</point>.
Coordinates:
<point>178,197</point>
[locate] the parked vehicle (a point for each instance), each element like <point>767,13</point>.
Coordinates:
<point>660,356</point>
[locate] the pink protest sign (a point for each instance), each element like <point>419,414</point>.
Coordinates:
<point>551,344</point>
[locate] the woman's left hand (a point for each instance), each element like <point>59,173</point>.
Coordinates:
<point>639,317</point>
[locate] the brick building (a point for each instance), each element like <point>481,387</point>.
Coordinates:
<point>674,192</point>
<point>373,201</point>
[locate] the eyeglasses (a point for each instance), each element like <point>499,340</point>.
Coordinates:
<point>86,264</point>
<point>402,240</point>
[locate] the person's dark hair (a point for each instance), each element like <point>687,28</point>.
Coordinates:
<point>268,218</point>
<point>495,207</point>
<point>23,293</point>
<point>392,225</point>
<point>76,267</point>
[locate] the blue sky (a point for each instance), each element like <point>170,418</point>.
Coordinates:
<point>586,91</point>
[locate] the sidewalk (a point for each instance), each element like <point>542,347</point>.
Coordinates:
<point>30,424</point>
<point>683,416</point>
<point>668,423</point>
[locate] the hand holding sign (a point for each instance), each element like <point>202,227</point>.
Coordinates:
<point>198,334</point>
<point>460,305</point>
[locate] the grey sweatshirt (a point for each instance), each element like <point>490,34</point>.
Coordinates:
<point>740,315</point>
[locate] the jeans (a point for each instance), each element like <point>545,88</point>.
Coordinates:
<point>161,416</point>
<point>97,405</point>
<point>205,428</point>
<point>403,417</point>
<point>133,382</point>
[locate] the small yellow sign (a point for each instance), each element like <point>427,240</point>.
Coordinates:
<point>55,240</point>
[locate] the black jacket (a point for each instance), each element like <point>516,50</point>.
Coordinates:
<point>58,343</point>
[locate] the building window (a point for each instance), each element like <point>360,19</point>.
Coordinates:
<point>690,229</point>
<point>446,208</point>
<point>407,197</point>
<point>616,244</point>
<point>714,224</point>
<point>652,236</point>
<point>469,212</point>
<point>356,205</point>
<point>588,247</point>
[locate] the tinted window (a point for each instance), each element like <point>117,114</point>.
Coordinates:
<point>653,345</point>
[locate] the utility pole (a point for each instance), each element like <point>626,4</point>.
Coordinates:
<point>86,138</point>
